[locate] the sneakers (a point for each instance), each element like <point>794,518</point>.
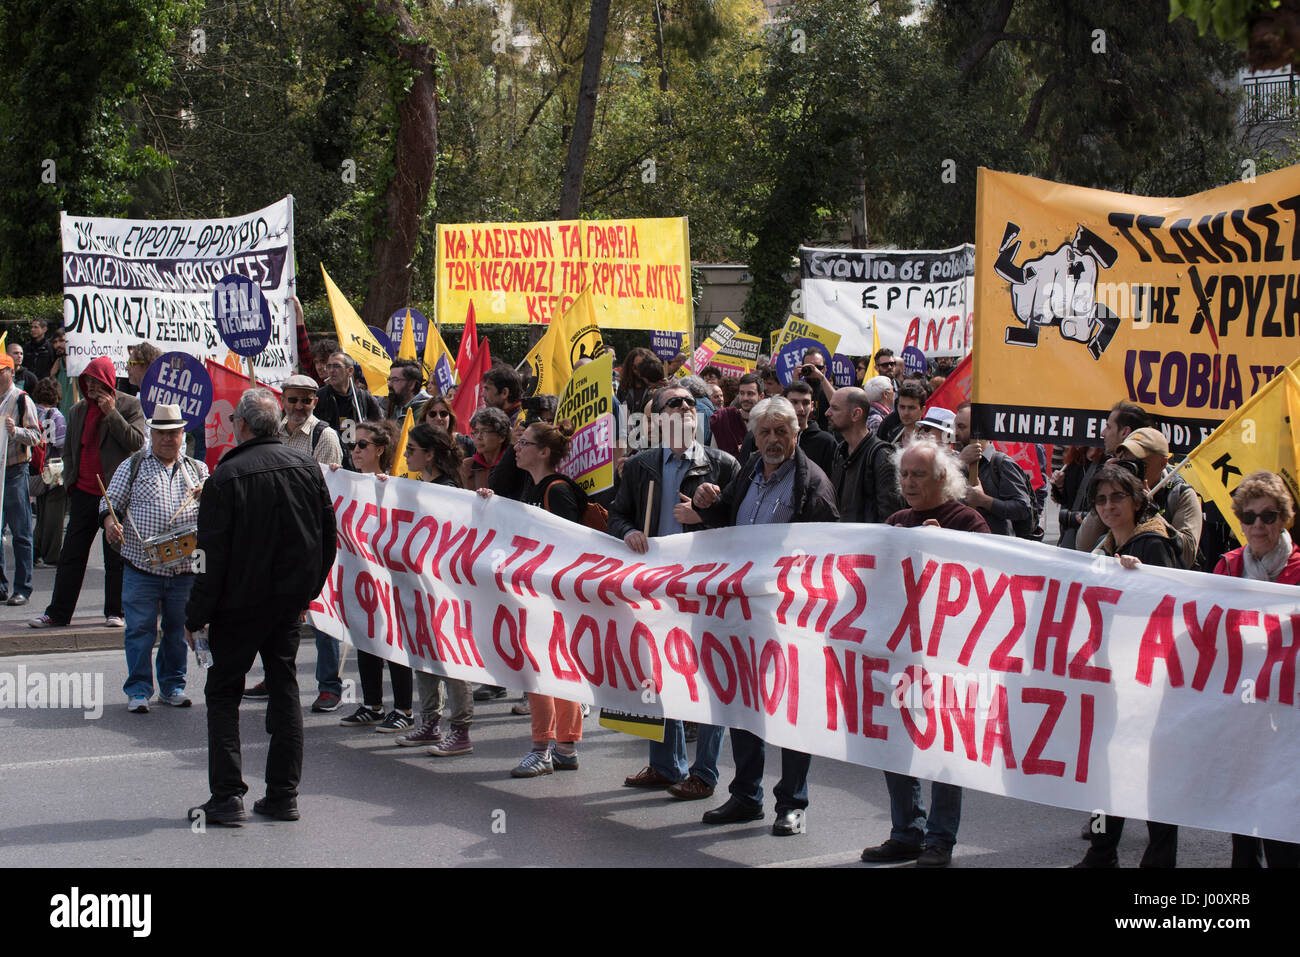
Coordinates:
<point>454,744</point>
<point>586,710</point>
<point>488,693</point>
<point>258,692</point>
<point>564,762</point>
<point>325,701</point>
<point>138,704</point>
<point>114,621</point>
<point>395,723</point>
<point>359,718</point>
<point>229,811</point>
<point>282,809</point>
<point>428,733</point>
<point>521,706</point>
<point>534,764</point>
<point>178,700</point>
<point>45,621</point>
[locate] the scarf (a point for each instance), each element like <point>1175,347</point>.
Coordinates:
<point>1269,566</point>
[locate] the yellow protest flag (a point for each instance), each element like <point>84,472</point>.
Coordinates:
<point>357,340</point>
<point>439,366</point>
<point>407,349</point>
<point>1264,433</point>
<point>399,460</point>
<point>4,339</point>
<point>573,336</point>
<point>875,347</point>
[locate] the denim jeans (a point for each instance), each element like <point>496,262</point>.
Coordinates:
<point>143,597</point>
<point>327,664</point>
<point>669,757</point>
<point>17,512</point>
<point>791,792</point>
<point>907,812</point>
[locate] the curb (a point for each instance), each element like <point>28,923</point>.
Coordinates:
<point>19,639</point>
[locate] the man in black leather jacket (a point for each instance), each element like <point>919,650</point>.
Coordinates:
<point>267,541</point>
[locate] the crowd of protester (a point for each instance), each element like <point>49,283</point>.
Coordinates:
<point>725,452</point>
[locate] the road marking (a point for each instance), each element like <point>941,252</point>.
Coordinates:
<point>843,857</point>
<point>132,756</point>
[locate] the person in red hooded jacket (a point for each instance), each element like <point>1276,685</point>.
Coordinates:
<point>104,428</point>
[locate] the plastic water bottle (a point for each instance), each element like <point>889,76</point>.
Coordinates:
<point>202,653</point>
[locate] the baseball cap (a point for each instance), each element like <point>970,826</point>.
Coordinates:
<point>6,361</point>
<point>1146,441</point>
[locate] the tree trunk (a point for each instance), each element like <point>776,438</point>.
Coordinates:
<point>576,164</point>
<point>415,158</point>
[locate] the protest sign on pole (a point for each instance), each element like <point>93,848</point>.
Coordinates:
<point>706,350</point>
<point>797,336</point>
<point>1184,306</point>
<point>125,280</point>
<point>919,297</point>
<point>666,345</point>
<point>978,660</point>
<point>738,355</point>
<point>638,270</point>
<point>177,378</point>
<point>588,402</point>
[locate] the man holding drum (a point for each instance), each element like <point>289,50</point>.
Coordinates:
<point>155,494</point>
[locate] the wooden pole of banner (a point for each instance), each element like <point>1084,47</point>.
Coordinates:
<point>252,373</point>
<point>649,507</point>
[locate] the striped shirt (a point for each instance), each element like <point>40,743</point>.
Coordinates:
<point>768,501</point>
<point>150,505</point>
<point>328,451</point>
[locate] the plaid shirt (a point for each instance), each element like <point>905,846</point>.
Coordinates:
<point>157,494</point>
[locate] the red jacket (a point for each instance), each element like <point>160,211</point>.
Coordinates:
<point>1232,564</point>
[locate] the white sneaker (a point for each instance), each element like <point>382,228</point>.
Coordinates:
<point>178,700</point>
<point>138,705</point>
<point>113,621</point>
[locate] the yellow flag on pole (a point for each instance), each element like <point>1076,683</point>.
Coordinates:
<point>875,347</point>
<point>1264,433</point>
<point>399,460</point>
<point>575,335</point>
<point>439,366</point>
<point>357,340</point>
<point>407,349</point>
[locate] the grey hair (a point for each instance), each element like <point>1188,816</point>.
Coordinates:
<point>493,419</point>
<point>946,467</point>
<point>693,384</point>
<point>260,411</point>
<point>774,407</point>
<point>876,386</point>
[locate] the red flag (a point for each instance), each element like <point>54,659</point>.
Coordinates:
<point>469,396</point>
<point>956,390</point>
<point>219,427</point>
<point>468,337</point>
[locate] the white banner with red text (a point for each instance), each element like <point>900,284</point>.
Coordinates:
<point>982,661</point>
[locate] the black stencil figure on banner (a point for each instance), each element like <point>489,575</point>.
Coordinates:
<point>1059,288</point>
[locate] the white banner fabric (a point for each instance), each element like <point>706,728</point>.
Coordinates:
<point>986,662</point>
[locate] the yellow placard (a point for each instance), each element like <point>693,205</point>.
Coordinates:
<point>530,273</point>
<point>1185,306</point>
<point>588,402</point>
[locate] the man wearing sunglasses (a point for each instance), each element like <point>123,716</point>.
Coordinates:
<point>301,430</point>
<point>677,465</point>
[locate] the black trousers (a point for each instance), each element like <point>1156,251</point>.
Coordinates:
<point>236,641</point>
<point>1250,851</point>
<point>1162,842</point>
<point>372,681</point>
<point>83,526</point>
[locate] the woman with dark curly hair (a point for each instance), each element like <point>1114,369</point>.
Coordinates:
<point>1266,510</point>
<point>1136,535</point>
<point>437,411</point>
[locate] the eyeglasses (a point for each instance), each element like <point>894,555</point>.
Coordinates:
<point>335,366</point>
<point>677,401</point>
<point>363,444</point>
<point>1269,517</point>
<point>1113,498</point>
<point>525,442</point>
<point>294,400</point>
<point>137,362</point>
<point>441,413</point>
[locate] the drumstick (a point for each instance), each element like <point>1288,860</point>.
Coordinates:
<point>649,505</point>
<point>189,500</point>
<point>104,492</point>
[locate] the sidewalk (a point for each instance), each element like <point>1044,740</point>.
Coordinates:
<point>86,632</point>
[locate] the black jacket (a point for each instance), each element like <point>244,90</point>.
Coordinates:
<point>814,498</point>
<point>866,481</point>
<point>1002,478</point>
<point>627,514</point>
<point>39,357</point>
<point>266,528</point>
<point>1153,542</point>
<point>816,443</point>
<point>334,410</point>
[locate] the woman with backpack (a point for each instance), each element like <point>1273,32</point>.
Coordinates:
<point>539,452</point>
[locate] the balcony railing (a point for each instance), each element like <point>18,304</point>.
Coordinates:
<point>1271,100</point>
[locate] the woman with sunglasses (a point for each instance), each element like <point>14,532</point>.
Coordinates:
<point>1266,511</point>
<point>1137,535</point>
<point>437,411</point>
<point>539,452</point>
<point>373,454</point>
<point>432,453</point>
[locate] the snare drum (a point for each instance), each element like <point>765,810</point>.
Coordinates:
<point>171,548</point>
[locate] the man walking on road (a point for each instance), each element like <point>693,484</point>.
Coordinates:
<point>267,537</point>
